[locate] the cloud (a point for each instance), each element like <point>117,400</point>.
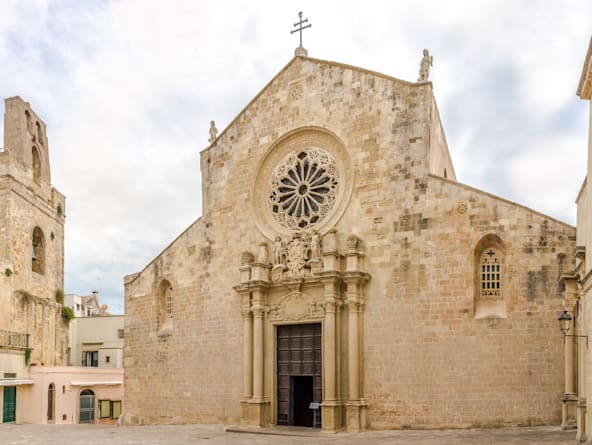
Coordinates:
<point>128,88</point>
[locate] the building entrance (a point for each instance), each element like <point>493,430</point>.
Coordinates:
<point>9,406</point>
<point>299,374</point>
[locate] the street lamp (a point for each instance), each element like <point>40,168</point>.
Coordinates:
<point>564,324</point>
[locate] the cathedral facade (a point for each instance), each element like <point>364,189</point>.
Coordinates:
<point>341,277</point>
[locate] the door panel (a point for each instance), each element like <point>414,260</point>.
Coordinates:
<point>299,368</point>
<point>9,406</point>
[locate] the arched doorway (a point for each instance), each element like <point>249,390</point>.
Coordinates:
<point>51,403</point>
<point>87,406</point>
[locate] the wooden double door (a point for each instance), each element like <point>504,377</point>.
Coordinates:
<point>299,375</point>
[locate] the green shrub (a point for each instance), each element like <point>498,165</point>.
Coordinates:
<point>8,272</point>
<point>59,295</point>
<point>28,356</point>
<point>67,314</point>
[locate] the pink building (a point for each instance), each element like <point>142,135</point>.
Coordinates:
<point>68,394</point>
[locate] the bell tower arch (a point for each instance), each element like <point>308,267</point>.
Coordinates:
<point>25,143</point>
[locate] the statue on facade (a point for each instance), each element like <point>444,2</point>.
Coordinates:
<point>315,245</point>
<point>424,66</point>
<point>213,132</point>
<point>262,257</point>
<point>297,256</point>
<point>279,251</point>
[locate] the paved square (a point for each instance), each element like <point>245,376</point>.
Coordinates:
<point>217,434</point>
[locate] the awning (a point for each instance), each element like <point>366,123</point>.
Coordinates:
<point>15,382</point>
<point>97,383</point>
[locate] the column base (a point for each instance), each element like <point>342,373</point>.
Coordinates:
<point>255,412</point>
<point>355,416</point>
<point>568,411</point>
<point>331,416</point>
<point>581,420</point>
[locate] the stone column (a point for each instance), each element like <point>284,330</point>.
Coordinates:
<point>331,406</point>
<point>353,345</point>
<point>258,404</point>
<point>247,355</point>
<point>257,354</point>
<point>356,405</point>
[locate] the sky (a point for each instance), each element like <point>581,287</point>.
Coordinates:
<point>128,88</point>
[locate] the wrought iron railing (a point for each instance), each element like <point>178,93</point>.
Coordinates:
<point>14,339</point>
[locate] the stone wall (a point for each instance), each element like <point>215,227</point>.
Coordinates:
<point>30,205</point>
<point>427,362</point>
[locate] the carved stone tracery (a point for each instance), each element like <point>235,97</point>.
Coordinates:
<point>303,188</point>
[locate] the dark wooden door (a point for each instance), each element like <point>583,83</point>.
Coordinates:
<point>299,379</point>
<point>9,405</point>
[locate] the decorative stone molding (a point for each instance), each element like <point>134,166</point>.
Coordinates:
<point>304,182</point>
<point>309,283</point>
<point>296,306</point>
<point>297,258</point>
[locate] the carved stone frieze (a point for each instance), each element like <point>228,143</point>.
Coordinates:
<point>296,306</point>
<point>298,257</point>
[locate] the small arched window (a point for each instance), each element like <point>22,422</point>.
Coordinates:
<point>445,174</point>
<point>38,251</point>
<point>165,299</point>
<point>29,124</point>
<point>489,278</point>
<point>39,133</point>
<point>36,164</point>
<point>491,269</point>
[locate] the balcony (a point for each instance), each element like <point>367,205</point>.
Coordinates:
<point>15,340</point>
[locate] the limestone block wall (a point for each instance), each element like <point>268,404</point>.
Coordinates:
<point>28,205</point>
<point>188,371</point>
<point>427,362</point>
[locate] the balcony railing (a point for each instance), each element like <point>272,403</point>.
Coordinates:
<point>14,339</point>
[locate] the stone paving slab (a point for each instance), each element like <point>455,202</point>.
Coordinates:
<point>11,434</point>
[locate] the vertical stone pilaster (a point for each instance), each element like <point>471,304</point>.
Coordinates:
<point>257,353</point>
<point>569,398</point>
<point>331,406</point>
<point>258,404</point>
<point>247,355</point>
<point>356,406</point>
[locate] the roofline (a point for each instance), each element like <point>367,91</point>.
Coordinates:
<point>312,59</point>
<point>582,188</point>
<point>499,198</point>
<point>135,275</point>
<point>586,76</point>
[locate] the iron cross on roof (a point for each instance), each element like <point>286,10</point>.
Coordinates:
<point>301,28</point>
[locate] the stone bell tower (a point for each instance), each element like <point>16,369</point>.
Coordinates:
<point>32,214</point>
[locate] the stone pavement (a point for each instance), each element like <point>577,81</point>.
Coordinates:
<point>217,435</point>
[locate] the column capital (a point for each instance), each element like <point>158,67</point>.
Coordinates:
<point>258,310</point>
<point>246,312</point>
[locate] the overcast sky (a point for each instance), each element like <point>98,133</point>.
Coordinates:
<point>128,88</point>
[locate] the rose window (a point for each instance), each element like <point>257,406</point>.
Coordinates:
<point>303,188</point>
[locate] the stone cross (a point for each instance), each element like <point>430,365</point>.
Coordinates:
<point>301,28</point>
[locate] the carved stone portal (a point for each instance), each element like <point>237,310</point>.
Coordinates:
<point>308,279</point>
